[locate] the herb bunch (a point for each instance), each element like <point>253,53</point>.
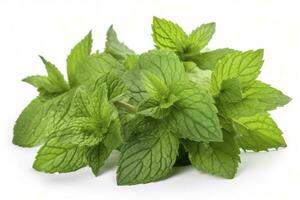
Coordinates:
<point>175,105</point>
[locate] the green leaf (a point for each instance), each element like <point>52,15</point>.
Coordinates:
<point>116,87</point>
<point>116,48</point>
<point>81,131</point>
<point>194,116</point>
<point>231,91</point>
<point>77,56</point>
<point>40,118</point>
<point>258,133</point>
<point>208,60</point>
<point>153,108</point>
<point>55,76</point>
<point>200,37</point>
<point>135,86</point>
<point>200,77</point>
<point>96,65</point>
<point>147,157</point>
<point>217,158</point>
<point>257,98</point>
<point>53,83</point>
<point>58,156</point>
<point>155,87</point>
<point>96,157</point>
<point>165,65</point>
<point>168,35</point>
<point>244,66</point>
<point>266,95</point>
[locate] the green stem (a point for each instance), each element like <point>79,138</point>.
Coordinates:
<point>125,106</point>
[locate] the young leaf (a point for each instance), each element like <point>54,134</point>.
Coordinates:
<point>217,158</point>
<point>200,37</point>
<point>155,87</point>
<point>58,156</point>
<point>53,83</point>
<point>168,35</point>
<point>258,133</point>
<point>78,55</point>
<point>245,66</point>
<point>116,48</point>
<point>147,157</point>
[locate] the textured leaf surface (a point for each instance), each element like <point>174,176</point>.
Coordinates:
<point>165,65</point>
<point>257,98</point>
<point>168,35</point>
<point>96,157</point>
<point>96,65</point>
<point>266,95</point>
<point>217,158</point>
<point>116,48</point>
<point>40,118</point>
<point>57,156</point>
<point>147,157</point>
<point>200,37</point>
<point>116,87</point>
<point>208,60</point>
<point>245,66</point>
<point>231,91</point>
<point>259,133</point>
<point>78,54</point>
<point>194,116</point>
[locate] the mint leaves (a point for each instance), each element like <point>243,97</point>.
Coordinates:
<point>172,106</point>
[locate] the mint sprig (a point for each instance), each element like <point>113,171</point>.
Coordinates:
<point>176,105</point>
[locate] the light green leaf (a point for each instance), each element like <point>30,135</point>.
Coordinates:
<point>168,35</point>
<point>77,56</point>
<point>116,87</point>
<point>266,95</point>
<point>231,91</point>
<point>258,133</point>
<point>40,118</point>
<point>217,158</point>
<point>165,65</point>
<point>135,86</point>
<point>147,157</point>
<point>208,60</point>
<point>116,48</point>
<point>96,65</point>
<point>151,107</point>
<point>200,77</point>
<point>257,98</point>
<point>57,156</point>
<point>155,87</point>
<point>81,131</point>
<point>194,116</point>
<point>53,83</point>
<point>200,37</point>
<point>244,66</point>
<point>55,77</point>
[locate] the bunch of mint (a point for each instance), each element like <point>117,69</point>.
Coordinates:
<point>175,105</point>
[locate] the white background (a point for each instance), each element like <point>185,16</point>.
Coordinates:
<point>50,28</point>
